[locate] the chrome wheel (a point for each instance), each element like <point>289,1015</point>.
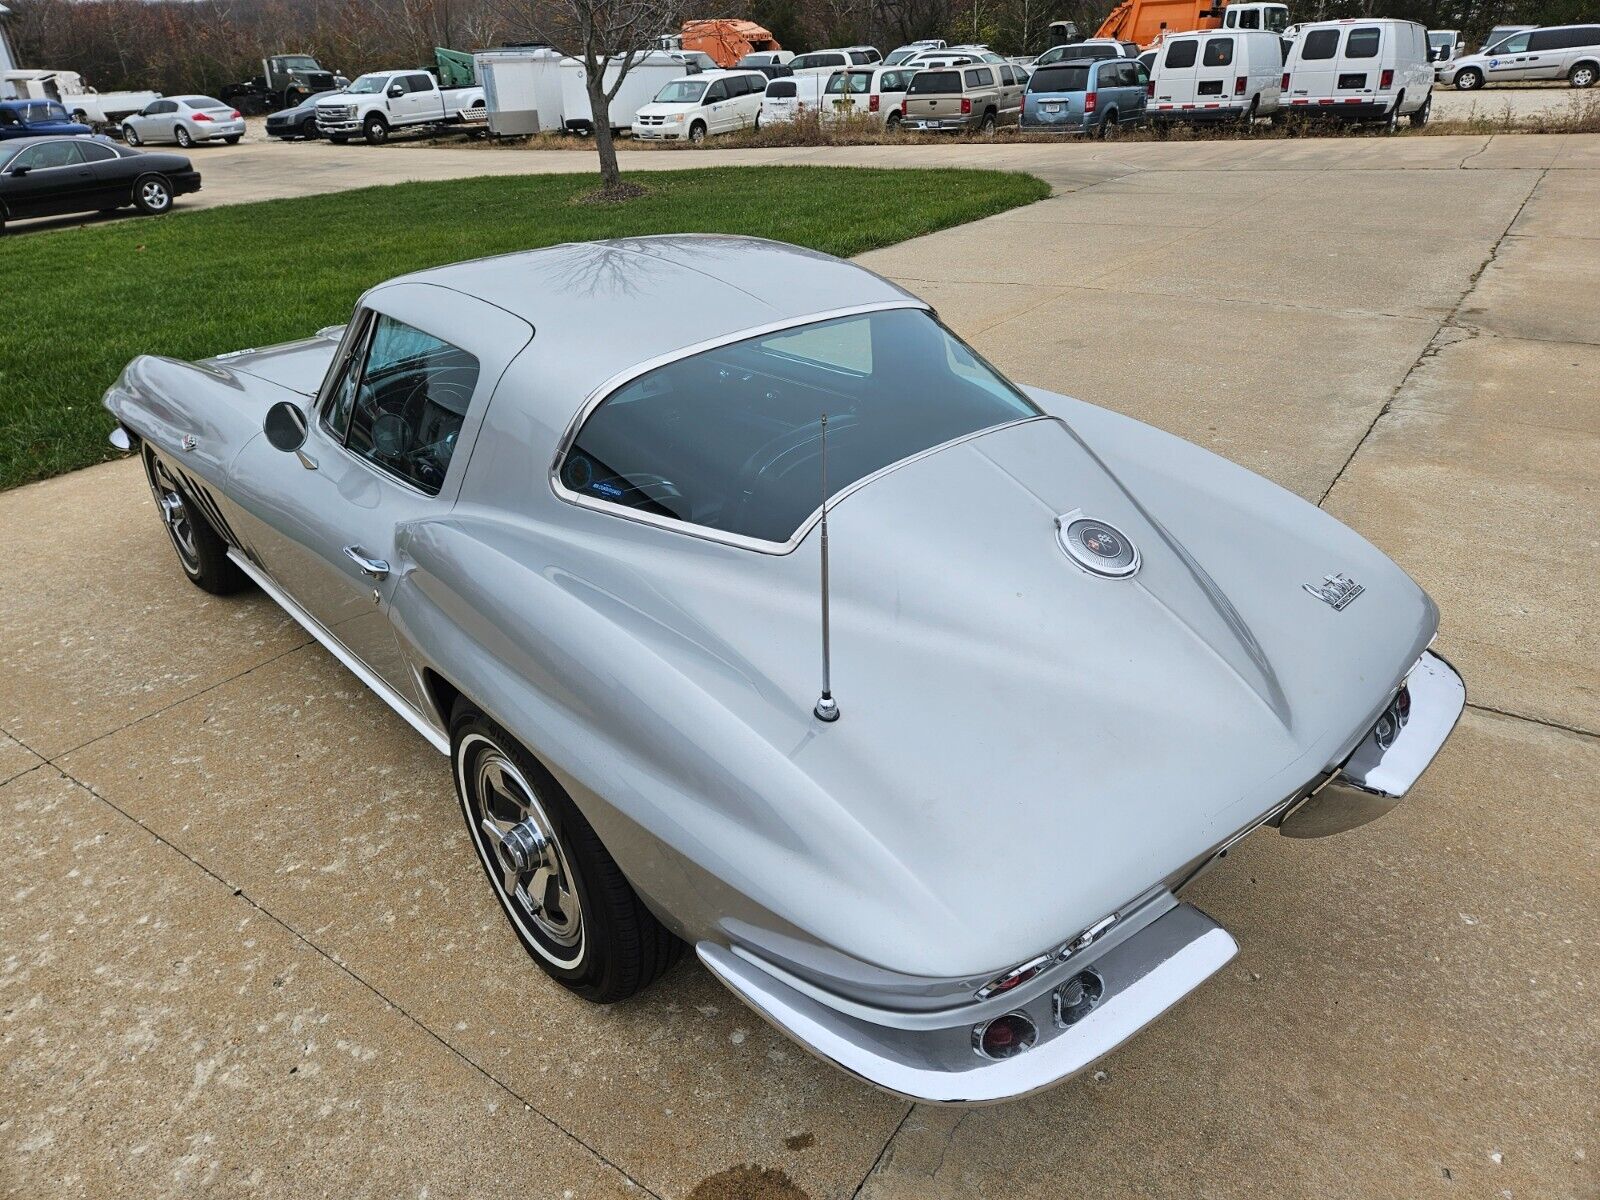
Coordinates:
<point>174,513</point>
<point>154,195</point>
<point>519,844</point>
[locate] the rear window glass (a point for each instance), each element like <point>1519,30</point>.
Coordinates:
<point>1319,44</point>
<point>925,83</point>
<point>781,89</point>
<point>729,439</point>
<point>857,83</point>
<point>1361,43</point>
<point>1181,54</point>
<point>203,102</point>
<point>1219,52</point>
<point>1059,79</point>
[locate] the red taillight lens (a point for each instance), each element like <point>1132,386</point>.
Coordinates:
<point>1090,99</point>
<point>1004,1037</point>
<point>1286,81</point>
<point>872,102</point>
<point>234,115</point>
<point>201,117</point>
<point>1150,88</point>
<point>1238,85</point>
<point>1385,80</point>
<point>966,105</point>
<point>905,107</point>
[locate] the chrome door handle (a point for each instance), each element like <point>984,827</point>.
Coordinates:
<point>376,567</point>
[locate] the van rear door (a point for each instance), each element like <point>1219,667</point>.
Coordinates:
<point>1315,64</point>
<point>1360,63</point>
<point>1175,72</point>
<point>1214,74</point>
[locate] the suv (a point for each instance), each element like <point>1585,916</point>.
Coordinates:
<point>1570,52</point>
<point>970,97</point>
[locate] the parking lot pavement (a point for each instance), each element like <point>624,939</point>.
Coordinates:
<point>1516,103</point>
<point>246,944</point>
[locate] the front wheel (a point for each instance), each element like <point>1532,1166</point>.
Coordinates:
<point>376,130</point>
<point>183,136</point>
<point>1419,118</point>
<point>130,135</point>
<point>1469,80</point>
<point>565,897</point>
<point>697,132</point>
<point>202,554</point>
<point>1583,75</point>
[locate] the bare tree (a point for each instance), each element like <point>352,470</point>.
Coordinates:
<point>610,38</point>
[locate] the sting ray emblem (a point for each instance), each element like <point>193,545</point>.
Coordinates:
<point>1337,591</point>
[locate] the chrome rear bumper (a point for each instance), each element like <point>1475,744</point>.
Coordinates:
<point>1393,755</point>
<point>1139,979</point>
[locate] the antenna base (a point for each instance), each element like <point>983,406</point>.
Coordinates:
<point>826,709</point>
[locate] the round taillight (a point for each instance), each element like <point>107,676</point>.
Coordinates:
<point>1005,1036</point>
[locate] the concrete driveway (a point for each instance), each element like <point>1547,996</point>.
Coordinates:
<point>246,950</point>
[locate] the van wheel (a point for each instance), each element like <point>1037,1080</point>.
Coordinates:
<point>1469,80</point>
<point>1582,75</point>
<point>376,130</point>
<point>1248,117</point>
<point>1420,117</point>
<point>1391,120</point>
<point>1108,126</point>
<point>697,132</point>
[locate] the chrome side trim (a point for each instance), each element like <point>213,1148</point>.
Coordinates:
<point>331,644</point>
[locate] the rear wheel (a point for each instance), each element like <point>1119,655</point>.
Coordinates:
<point>893,120</point>
<point>1583,75</point>
<point>201,553</point>
<point>1420,117</point>
<point>990,120</point>
<point>565,897</point>
<point>152,195</point>
<point>375,130</point>
<point>183,136</point>
<point>1468,80</point>
<point>130,135</point>
<point>1391,119</point>
<point>1108,126</point>
<point>234,140</point>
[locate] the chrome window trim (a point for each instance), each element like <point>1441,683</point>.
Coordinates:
<point>741,541</point>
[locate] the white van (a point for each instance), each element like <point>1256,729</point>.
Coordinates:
<point>1360,70</point>
<point>1218,75</point>
<point>695,106</point>
<point>873,92</point>
<point>792,95</point>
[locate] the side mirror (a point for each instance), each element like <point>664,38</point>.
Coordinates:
<point>285,427</point>
<point>19,171</point>
<point>396,91</point>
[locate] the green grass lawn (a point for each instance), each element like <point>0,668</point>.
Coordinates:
<point>190,285</point>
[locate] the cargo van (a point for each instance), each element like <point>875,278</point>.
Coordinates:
<point>1360,70</point>
<point>1233,75</point>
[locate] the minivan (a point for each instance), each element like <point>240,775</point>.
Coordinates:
<point>1360,70</point>
<point>1570,52</point>
<point>695,106</point>
<point>954,98</point>
<point>1085,95</point>
<point>1235,75</point>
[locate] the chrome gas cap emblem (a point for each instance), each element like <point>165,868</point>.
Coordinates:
<point>1097,546</point>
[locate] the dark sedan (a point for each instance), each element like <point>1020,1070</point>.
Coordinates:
<point>51,176</point>
<point>297,122</point>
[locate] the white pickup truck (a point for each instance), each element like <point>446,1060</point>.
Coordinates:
<point>382,101</point>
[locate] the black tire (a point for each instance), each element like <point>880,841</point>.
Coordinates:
<point>1107,128</point>
<point>202,554</point>
<point>234,140</point>
<point>892,121</point>
<point>697,132</point>
<point>1419,118</point>
<point>1583,75</point>
<point>375,129</point>
<point>990,120</point>
<point>1391,119</point>
<point>595,937</point>
<point>1248,117</point>
<point>130,135</point>
<point>183,137</point>
<point>152,195</point>
<point>1468,80</point>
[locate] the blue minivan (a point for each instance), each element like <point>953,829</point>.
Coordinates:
<point>1097,96</point>
<point>37,118</point>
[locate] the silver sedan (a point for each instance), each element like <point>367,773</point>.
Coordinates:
<point>184,120</point>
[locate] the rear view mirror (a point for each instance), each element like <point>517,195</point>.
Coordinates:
<point>285,426</point>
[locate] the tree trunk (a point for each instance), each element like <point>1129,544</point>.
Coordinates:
<point>600,105</point>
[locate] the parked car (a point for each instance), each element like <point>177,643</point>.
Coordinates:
<point>901,53</point>
<point>698,106</point>
<point>37,118</point>
<point>1089,48</point>
<point>1360,70</point>
<point>380,102</point>
<point>1570,52</point>
<point>299,121</point>
<point>53,176</point>
<point>1235,75</point>
<point>1086,95</point>
<point>184,120</point>
<point>958,98</point>
<point>788,99</point>
<point>868,92</point>
<point>958,55</point>
<point>620,651</point>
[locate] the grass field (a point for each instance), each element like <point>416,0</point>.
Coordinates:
<point>190,285</point>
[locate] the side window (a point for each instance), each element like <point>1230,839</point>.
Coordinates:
<point>1181,54</point>
<point>95,152</point>
<point>51,154</point>
<point>1548,39</point>
<point>737,86</point>
<point>407,409</point>
<point>1250,19</point>
<point>1362,43</point>
<point>1319,44</point>
<point>1514,45</point>
<point>1219,51</point>
<point>419,83</point>
<point>717,91</point>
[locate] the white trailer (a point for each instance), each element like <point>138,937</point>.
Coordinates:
<point>522,89</point>
<point>649,74</point>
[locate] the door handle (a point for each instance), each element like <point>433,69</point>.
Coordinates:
<point>378,568</point>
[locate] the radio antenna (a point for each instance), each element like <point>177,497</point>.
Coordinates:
<point>826,709</point>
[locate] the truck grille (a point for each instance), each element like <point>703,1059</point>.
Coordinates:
<point>336,112</point>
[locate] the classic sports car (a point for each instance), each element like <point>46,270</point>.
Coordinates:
<point>564,511</point>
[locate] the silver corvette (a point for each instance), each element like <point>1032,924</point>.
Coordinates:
<point>759,614</point>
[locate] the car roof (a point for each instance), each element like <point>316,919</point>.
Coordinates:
<point>612,306</point>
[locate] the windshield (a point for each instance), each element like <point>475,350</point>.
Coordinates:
<point>298,62</point>
<point>1276,19</point>
<point>729,439</point>
<point>203,102</point>
<point>368,84</point>
<point>1059,79</point>
<point>682,91</point>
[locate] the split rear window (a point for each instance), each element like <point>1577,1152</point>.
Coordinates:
<point>1319,44</point>
<point>1361,43</point>
<point>1181,53</point>
<point>1219,52</point>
